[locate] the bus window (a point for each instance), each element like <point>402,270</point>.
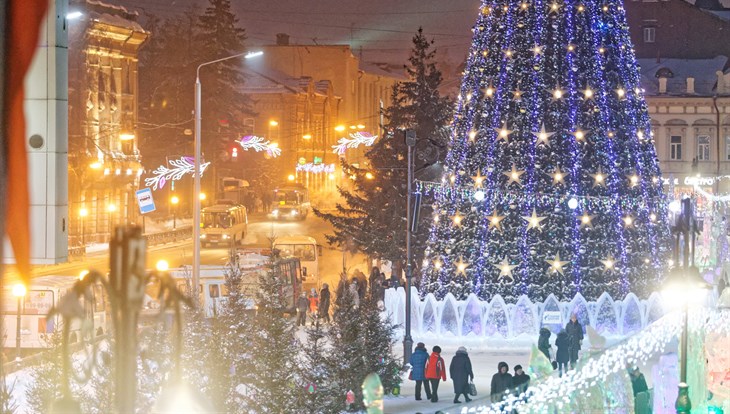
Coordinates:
<point>222,220</point>
<point>305,252</point>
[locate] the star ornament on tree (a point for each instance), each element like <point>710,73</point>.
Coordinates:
<point>558,176</point>
<point>461,266</point>
<point>556,265</point>
<point>599,179</point>
<point>585,220</point>
<point>478,179</point>
<point>457,219</point>
<point>533,221</point>
<point>579,134</point>
<point>609,263</point>
<point>514,175</point>
<point>495,221</point>
<point>543,137</point>
<point>503,133</point>
<point>505,269</point>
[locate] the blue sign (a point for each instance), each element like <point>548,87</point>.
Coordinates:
<point>145,201</point>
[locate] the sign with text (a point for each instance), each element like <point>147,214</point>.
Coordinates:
<point>551,318</point>
<point>145,201</point>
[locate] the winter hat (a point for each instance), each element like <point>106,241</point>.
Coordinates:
<point>518,367</point>
<point>502,364</point>
<point>461,349</point>
<point>420,345</point>
<point>437,349</point>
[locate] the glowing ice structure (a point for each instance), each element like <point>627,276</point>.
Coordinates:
<point>475,318</point>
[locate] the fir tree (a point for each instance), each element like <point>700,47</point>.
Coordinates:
<point>7,405</point>
<point>271,363</point>
<point>154,365</point>
<point>346,361</point>
<point>313,388</point>
<point>372,217</point>
<point>100,396</point>
<point>551,184</point>
<point>45,383</point>
<point>379,336</point>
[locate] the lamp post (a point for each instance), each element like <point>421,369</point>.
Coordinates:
<point>174,200</point>
<point>83,213</point>
<point>407,340</point>
<point>111,208</point>
<point>196,174</point>
<point>19,291</point>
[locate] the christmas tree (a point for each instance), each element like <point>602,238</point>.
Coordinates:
<point>313,371</point>
<point>551,184</point>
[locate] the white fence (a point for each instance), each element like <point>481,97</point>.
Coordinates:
<point>476,318</point>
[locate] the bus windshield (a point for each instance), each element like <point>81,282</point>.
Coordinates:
<point>304,252</point>
<point>286,197</point>
<point>212,220</point>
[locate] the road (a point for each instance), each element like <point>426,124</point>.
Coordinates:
<point>260,230</point>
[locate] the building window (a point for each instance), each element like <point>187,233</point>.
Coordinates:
<point>727,147</point>
<point>703,148</point>
<point>675,147</point>
<point>649,34</point>
<point>248,126</point>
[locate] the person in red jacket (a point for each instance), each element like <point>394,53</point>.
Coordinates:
<point>435,371</point>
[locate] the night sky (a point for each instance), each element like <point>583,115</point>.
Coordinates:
<point>379,29</point>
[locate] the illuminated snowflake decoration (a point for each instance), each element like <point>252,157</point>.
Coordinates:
<point>259,144</point>
<point>356,139</point>
<point>162,174</point>
<point>316,168</point>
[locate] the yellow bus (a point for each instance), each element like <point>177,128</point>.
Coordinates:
<point>223,224</point>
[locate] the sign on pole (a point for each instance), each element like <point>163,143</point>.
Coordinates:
<point>145,201</point>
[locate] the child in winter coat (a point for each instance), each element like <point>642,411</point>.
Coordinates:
<point>418,370</point>
<point>435,371</point>
<point>543,344</point>
<point>562,355</point>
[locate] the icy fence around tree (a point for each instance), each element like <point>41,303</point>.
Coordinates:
<point>476,318</point>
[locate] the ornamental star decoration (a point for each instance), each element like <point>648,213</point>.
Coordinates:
<point>461,266</point>
<point>505,269</point>
<point>514,175</point>
<point>495,221</point>
<point>533,221</point>
<point>543,137</point>
<point>556,265</point>
<point>609,263</point>
<point>503,133</point>
<point>478,179</point>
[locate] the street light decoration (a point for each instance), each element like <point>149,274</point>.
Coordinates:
<point>259,144</point>
<point>356,139</point>
<point>180,167</point>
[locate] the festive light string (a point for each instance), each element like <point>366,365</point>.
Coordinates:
<point>316,168</point>
<point>356,139</point>
<point>162,174</point>
<point>259,144</point>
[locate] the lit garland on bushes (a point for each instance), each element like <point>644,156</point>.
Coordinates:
<point>550,112</point>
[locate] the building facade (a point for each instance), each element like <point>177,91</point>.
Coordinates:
<point>104,162</point>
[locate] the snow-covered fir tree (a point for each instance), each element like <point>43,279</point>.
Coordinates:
<point>45,383</point>
<point>7,404</point>
<point>379,336</point>
<point>313,385</point>
<point>99,395</point>
<point>270,366</point>
<point>154,365</point>
<point>551,184</point>
<point>346,359</point>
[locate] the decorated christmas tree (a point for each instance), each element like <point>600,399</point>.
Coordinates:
<point>551,184</point>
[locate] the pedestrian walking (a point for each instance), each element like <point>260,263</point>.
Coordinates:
<point>435,371</point>
<point>501,383</point>
<point>543,343</point>
<point>354,292</point>
<point>302,306</point>
<point>562,355</point>
<point>313,301</point>
<point>461,374</point>
<point>520,380</point>
<point>419,357</point>
<point>575,335</point>
<point>324,302</point>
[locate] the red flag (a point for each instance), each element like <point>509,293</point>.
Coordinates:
<point>22,23</point>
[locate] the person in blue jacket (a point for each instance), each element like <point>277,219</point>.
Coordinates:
<point>418,367</point>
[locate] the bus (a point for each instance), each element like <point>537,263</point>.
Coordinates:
<point>305,249</point>
<point>290,203</point>
<point>223,224</point>
<point>36,326</point>
<point>213,292</point>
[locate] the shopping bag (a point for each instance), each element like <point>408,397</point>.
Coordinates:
<point>472,389</point>
<point>410,375</point>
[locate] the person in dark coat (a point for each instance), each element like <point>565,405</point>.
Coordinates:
<point>324,302</point>
<point>418,370</point>
<point>435,372</point>
<point>520,381</point>
<point>575,335</point>
<point>501,382</point>
<point>562,355</point>
<point>302,306</point>
<point>543,343</point>
<point>638,382</point>
<point>461,374</point>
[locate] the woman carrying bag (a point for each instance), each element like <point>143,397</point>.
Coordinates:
<point>461,374</point>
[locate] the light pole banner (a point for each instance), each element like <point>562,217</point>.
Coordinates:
<point>145,201</point>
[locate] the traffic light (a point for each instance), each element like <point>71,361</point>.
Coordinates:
<point>234,153</point>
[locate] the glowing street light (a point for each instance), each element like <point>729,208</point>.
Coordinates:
<point>290,177</point>
<point>174,200</point>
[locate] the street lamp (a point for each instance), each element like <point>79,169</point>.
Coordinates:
<point>174,200</point>
<point>684,286</point>
<point>410,136</point>
<point>19,291</point>
<point>83,213</point>
<point>196,174</point>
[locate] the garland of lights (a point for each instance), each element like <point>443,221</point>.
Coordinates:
<point>259,144</point>
<point>316,168</point>
<point>357,139</point>
<point>162,174</point>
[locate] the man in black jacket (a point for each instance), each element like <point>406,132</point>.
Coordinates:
<point>501,383</point>
<point>575,336</point>
<point>520,380</point>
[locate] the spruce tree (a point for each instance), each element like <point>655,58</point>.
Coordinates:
<point>379,336</point>
<point>372,217</point>
<point>7,405</point>
<point>313,389</point>
<point>272,359</point>
<point>346,361</point>
<point>45,383</point>
<point>154,365</point>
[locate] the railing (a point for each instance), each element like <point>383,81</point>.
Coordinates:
<point>153,239</point>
